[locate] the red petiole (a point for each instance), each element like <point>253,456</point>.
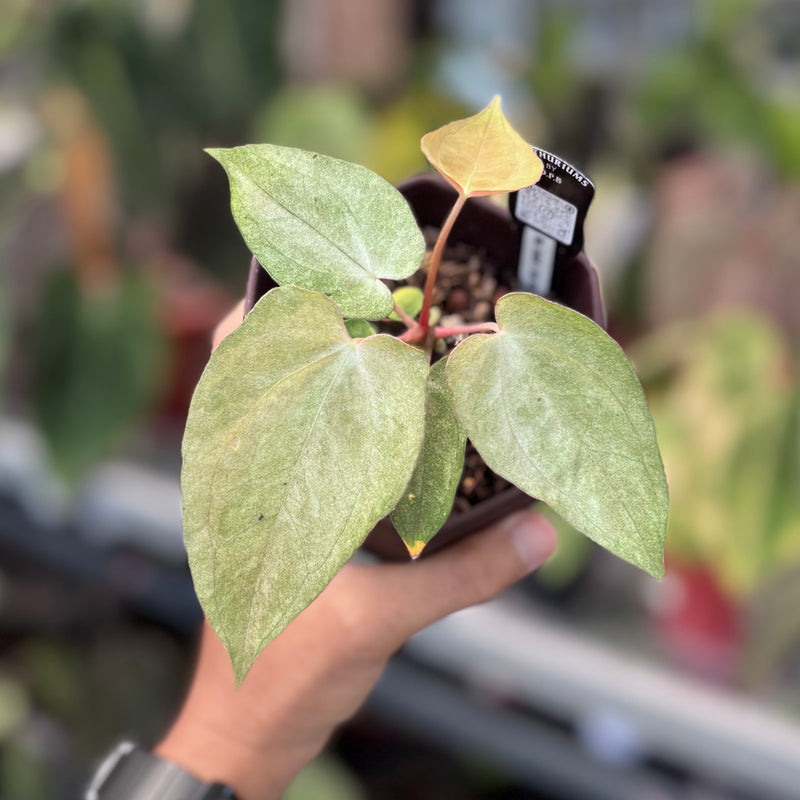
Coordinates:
<point>433,269</point>
<point>409,321</point>
<point>456,330</point>
<point>420,333</point>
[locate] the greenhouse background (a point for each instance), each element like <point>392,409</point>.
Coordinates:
<point>118,256</point>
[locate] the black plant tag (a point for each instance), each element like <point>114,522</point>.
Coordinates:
<point>551,214</point>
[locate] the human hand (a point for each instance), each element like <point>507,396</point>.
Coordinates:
<point>317,673</point>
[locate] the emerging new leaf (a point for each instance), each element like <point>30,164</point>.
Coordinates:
<point>483,154</point>
<point>323,224</point>
<point>428,498</point>
<point>299,439</point>
<point>554,406</point>
<point>409,299</point>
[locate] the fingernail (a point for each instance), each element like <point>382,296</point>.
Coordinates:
<point>534,538</point>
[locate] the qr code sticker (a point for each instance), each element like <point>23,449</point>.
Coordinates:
<point>546,212</point>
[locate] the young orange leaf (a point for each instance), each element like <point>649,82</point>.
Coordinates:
<point>482,154</point>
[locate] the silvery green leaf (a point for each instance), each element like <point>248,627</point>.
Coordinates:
<point>553,405</point>
<point>299,439</point>
<point>323,224</point>
<point>428,498</point>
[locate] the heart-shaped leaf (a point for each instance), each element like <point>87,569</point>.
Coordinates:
<point>299,439</point>
<point>553,405</point>
<point>483,154</point>
<point>428,498</point>
<point>323,224</point>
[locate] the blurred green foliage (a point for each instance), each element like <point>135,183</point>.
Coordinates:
<point>163,87</point>
<point>571,556</point>
<point>98,364</point>
<point>325,777</point>
<point>338,121</point>
<point>724,396</point>
<point>329,119</point>
<point>70,697</point>
<point>721,87</point>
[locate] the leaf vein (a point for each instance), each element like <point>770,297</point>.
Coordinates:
<point>283,506</point>
<point>322,234</point>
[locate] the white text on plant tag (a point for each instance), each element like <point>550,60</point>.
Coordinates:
<point>537,258</point>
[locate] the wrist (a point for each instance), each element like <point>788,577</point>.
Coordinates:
<point>131,773</point>
<point>217,752</point>
<point>255,738</point>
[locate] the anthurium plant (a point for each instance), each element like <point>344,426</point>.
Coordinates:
<point>308,427</point>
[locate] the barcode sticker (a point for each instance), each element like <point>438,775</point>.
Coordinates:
<point>550,214</point>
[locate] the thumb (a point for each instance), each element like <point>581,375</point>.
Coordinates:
<point>228,324</point>
<point>474,570</point>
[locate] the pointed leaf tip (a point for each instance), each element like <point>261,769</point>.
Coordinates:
<point>483,154</point>
<point>415,548</point>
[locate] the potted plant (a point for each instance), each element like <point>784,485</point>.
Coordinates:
<point>484,236</point>
<point>308,427</point>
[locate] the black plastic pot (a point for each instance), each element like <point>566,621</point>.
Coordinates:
<point>485,226</point>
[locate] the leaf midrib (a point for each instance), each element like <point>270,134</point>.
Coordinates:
<point>285,512</point>
<point>303,221</point>
<point>478,157</point>
<point>567,355</point>
<point>247,418</point>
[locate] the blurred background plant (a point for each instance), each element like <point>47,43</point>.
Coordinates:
<point>119,255</point>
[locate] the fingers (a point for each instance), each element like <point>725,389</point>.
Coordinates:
<point>463,575</point>
<point>228,324</point>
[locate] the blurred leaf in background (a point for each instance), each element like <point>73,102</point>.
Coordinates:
<point>165,84</point>
<point>336,120</point>
<point>726,86</point>
<point>330,119</point>
<point>97,367</point>
<point>723,395</point>
<point>571,556</point>
<point>325,777</point>
<point>772,624</point>
<point>394,150</point>
<point>571,102</point>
